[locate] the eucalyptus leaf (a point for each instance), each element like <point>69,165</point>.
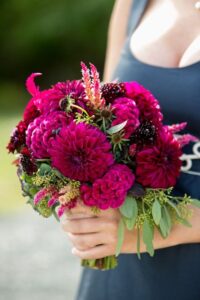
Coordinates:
<point>165,222</point>
<point>156,211</point>
<point>120,237</point>
<point>117,128</point>
<point>163,228</point>
<point>129,208</point>
<point>167,218</point>
<point>196,202</point>
<point>129,222</point>
<point>148,233</point>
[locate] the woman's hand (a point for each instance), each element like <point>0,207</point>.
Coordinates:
<point>95,236</point>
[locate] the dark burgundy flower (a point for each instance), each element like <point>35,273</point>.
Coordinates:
<point>18,138</point>
<point>159,166</point>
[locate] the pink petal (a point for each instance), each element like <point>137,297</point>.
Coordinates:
<point>30,84</point>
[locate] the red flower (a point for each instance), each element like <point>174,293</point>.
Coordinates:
<point>81,152</point>
<point>110,190</point>
<point>159,166</point>
<point>18,137</point>
<point>126,109</point>
<point>148,106</point>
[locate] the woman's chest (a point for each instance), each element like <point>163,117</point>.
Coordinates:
<point>166,38</point>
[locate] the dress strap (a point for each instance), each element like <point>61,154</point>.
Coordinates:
<point>137,10</point>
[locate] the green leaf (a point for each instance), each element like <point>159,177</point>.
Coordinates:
<point>120,237</point>
<point>44,169</point>
<point>163,229</point>
<point>165,222</point>
<point>129,208</point>
<point>129,223</point>
<point>167,218</point>
<point>196,202</point>
<point>117,128</point>
<point>148,233</point>
<point>156,211</point>
<point>138,243</point>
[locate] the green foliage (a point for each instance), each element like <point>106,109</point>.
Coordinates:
<point>157,208</point>
<point>156,211</point>
<point>116,128</point>
<point>148,233</point>
<point>120,236</point>
<point>51,37</point>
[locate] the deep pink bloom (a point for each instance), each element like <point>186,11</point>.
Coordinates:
<point>49,100</point>
<point>159,166</point>
<point>126,109</point>
<point>81,152</point>
<point>147,104</point>
<point>46,101</point>
<point>43,130</point>
<point>110,190</point>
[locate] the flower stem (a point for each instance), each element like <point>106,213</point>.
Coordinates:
<point>105,263</point>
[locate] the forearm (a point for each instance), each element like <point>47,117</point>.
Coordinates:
<point>116,36</point>
<point>180,234</point>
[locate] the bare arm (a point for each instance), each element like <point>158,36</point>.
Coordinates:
<point>89,233</point>
<point>116,35</point>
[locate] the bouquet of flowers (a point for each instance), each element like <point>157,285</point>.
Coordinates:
<point>105,146</point>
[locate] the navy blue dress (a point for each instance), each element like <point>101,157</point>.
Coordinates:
<point>174,272</point>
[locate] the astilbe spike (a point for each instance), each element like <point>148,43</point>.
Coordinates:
<point>96,87</point>
<point>186,139</point>
<point>87,81</point>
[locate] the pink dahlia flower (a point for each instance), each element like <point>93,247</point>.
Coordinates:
<point>126,109</point>
<point>81,152</point>
<point>110,190</point>
<point>42,131</point>
<point>159,166</point>
<point>148,106</point>
<point>49,100</point>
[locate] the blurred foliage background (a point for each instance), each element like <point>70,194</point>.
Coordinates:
<point>50,37</point>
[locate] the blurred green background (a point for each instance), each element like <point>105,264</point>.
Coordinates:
<point>50,37</point>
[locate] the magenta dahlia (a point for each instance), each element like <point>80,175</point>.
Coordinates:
<point>50,100</point>
<point>159,166</point>
<point>126,109</point>
<point>110,190</point>
<point>81,152</point>
<point>147,104</point>
<point>43,130</point>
